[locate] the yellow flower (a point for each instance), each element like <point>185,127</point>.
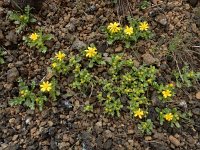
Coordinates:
<point>191,74</point>
<point>54,65</point>
<point>34,36</point>
<point>128,30</point>
<point>113,27</point>
<point>144,26</point>
<point>60,55</point>
<point>166,93</point>
<point>127,90</point>
<point>23,92</point>
<point>91,52</point>
<point>45,86</point>
<point>168,116</point>
<point>149,80</point>
<point>171,85</point>
<point>139,113</point>
<point>21,17</point>
<point>117,58</point>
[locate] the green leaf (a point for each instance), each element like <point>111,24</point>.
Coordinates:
<point>177,124</point>
<point>127,44</point>
<point>91,64</point>
<point>110,41</point>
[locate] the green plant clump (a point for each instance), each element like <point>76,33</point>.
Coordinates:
<point>22,20</point>
<point>146,127</point>
<point>133,32</point>
<point>186,77</point>
<point>38,39</point>
<point>122,85</point>
<point>29,96</point>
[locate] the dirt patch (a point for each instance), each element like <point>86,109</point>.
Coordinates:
<point>76,24</point>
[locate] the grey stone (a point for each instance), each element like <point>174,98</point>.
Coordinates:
<point>108,144</point>
<point>148,59</point>
<point>196,111</point>
<point>78,45</point>
<point>12,74</point>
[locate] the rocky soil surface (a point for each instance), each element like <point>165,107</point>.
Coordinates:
<point>75,24</point>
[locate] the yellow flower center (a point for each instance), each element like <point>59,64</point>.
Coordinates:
<point>60,55</point>
<point>45,86</point>
<point>166,93</point>
<point>23,93</point>
<point>168,116</point>
<point>139,113</point>
<point>37,100</point>
<point>191,74</point>
<point>91,52</point>
<point>113,27</point>
<point>21,17</point>
<point>144,26</point>
<point>34,36</point>
<point>128,30</point>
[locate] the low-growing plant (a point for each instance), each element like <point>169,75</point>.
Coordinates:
<point>121,85</point>
<point>88,108</point>
<point>58,64</point>
<point>146,127</point>
<point>166,92</point>
<point>82,78</point>
<point>130,33</point>
<point>114,1</point>
<point>26,95</point>
<point>112,106</point>
<point>171,116</point>
<point>22,20</point>
<point>186,77</point>
<point>144,4</point>
<point>31,97</point>
<point>38,39</point>
<point>93,56</point>
<point>175,43</point>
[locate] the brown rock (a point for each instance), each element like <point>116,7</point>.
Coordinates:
<point>1,35</point>
<point>174,140</point>
<point>161,19</point>
<point>108,134</point>
<point>154,1</point>
<point>99,124</point>
<point>23,3</point>
<point>148,59</point>
<point>63,145</point>
<point>50,123</point>
<point>65,138</point>
<point>4,145</point>
<point>12,120</point>
<point>148,138</point>
<point>12,75</point>
<point>119,49</point>
<point>191,140</point>
<point>14,137</point>
<point>136,63</point>
<point>130,131</point>
<point>194,28</point>
<point>193,2</point>
<point>198,95</point>
<point>33,130</point>
<point>12,37</point>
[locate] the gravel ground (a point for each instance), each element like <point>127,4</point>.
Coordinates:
<point>62,124</point>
